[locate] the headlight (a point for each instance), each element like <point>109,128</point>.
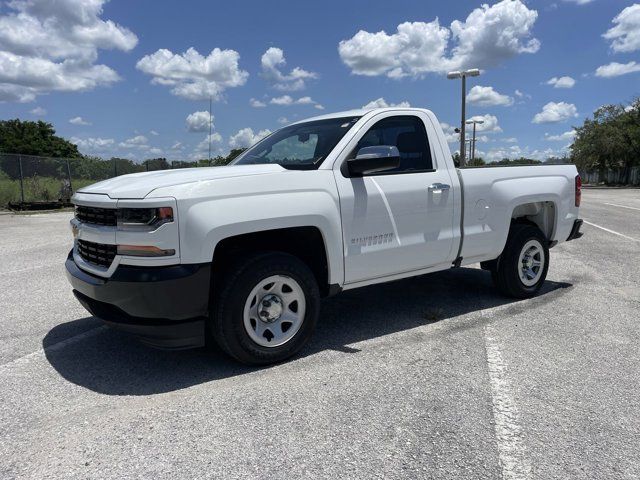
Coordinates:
<point>144,218</point>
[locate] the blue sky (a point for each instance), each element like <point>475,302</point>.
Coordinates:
<point>101,61</point>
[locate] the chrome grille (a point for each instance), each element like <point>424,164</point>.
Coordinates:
<point>96,253</point>
<point>97,216</point>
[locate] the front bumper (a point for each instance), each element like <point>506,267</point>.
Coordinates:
<point>165,307</point>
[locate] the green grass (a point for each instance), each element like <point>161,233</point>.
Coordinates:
<point>36,189</point>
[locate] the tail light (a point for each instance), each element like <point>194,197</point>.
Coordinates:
<point>578,190</point>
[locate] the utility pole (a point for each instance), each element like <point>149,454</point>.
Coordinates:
<point>210,128</point>
<point>473,144</point>
<point>474,72</point>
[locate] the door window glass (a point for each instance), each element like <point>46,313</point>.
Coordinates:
<point>408,134</point>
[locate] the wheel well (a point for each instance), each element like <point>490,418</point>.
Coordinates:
<point>306,243</point>
<point>541,214</point>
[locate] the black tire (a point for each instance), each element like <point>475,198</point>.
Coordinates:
<point>227,319</point>
<point>506,276</point>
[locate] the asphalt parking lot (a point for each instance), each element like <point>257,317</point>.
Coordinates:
<point>434,377</point>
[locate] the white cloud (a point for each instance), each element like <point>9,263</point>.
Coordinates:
<point>496,154</point>
<point>554,112</point>
<point>563,137</point>
<point>199,122</point>
<point>489,36</point>
<point>93,145</point>
<point>79,121</point>
<point>515,151</point>
<point>510,140</point>
<point>482,139</point>
<point>257,103</point>
<point>192,75</point>
<point>579,2</point>
<point>561,82</point>
<point>245,137</point>
<point>490,124</point>
<point>50,46</point>
<point>522,96</point>
<point>155,151</point>
<point>154,133</point>
<point>283,120</point>
<point>625,35</point>
<point>317,106</point>
<point>38,111</point>
<point>488,97</point>
<point>203,146</point>
<point>177,146</point>
<point>287,101</point>
<point>139,141</point>
<point>272,61</point>
<point>450,133</point>
<point>382,103</point>
<point>615,69</point>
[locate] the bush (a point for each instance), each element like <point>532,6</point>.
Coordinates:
<point>9,191</point>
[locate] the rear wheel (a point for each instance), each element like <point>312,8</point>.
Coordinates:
<point>267,308</point>
<point>522,267</point>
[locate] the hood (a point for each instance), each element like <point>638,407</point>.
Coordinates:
<point>139,185</point>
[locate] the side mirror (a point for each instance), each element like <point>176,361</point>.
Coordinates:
<point>373,160</point>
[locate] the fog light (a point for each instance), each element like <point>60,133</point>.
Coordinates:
<point>144,251</point>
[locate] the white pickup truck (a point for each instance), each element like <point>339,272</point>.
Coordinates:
<point>241,255</point>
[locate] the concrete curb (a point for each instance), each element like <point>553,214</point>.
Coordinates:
<point>605,187</point>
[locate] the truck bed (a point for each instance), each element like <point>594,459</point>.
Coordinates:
<point>492,194</point>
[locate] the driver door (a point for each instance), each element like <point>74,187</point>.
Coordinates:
<point>397,221</point>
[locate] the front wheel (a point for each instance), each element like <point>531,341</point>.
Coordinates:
<point>267,308</point>
<point>522,267</point>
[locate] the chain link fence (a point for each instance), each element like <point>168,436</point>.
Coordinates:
<point>28,182</point>
<point>630,176</point>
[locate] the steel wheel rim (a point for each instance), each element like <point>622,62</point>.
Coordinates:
<point>531,263</point>
<point>277,323</point>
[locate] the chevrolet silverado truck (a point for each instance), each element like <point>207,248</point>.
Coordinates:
<point>241,255</point>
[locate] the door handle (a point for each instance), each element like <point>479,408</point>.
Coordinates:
<point>439,187</point>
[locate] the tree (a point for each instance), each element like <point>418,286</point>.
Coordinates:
<point>34,138</point>
<point>611,140</point>
<point>234,153</point>
<point>157,164</point>
<point>477,162</point>
<point>518,161</point>
<point>220,161</point>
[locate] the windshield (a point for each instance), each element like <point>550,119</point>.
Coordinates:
<point>302,146</point>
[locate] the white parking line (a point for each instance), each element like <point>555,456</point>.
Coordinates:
<point>511,448</point>
<point>53,348</point>
<point>611,231</point>
<point>622,206</point>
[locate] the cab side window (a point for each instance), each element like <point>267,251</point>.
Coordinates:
<point>408,134</point>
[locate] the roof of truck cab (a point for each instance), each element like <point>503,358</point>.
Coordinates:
<point>360,113</point>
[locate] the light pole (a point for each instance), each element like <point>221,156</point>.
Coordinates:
<point>210,127</point>
<point>473,143</point>
<point>474,72</point>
